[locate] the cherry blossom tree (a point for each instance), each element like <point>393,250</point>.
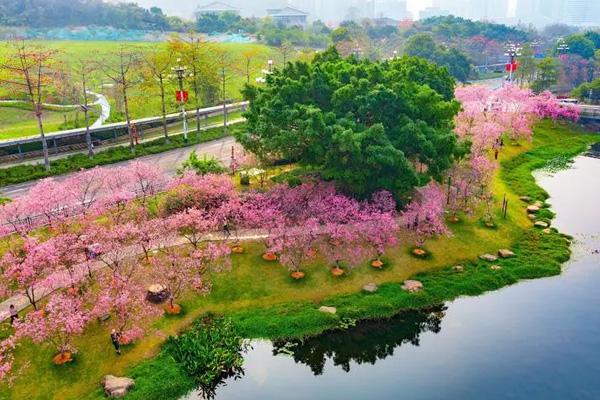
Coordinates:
<point>205,192</point>
<point>425,216</point>
<point>63,317</point>
<point>294,245</point>
<point>146,180</point>
<point>379,230</point>
<point>342,246</point>
<point>193,224</point>
<point>29,268</point>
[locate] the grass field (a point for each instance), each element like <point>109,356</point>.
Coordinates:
<point>16,122</point>
<point>264,302</point>
<point>144,102</point>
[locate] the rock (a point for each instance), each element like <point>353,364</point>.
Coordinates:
<point>370,288</point>
<point>531,216</point>
<point>157,293</point>
<point>525,198</point>
<point>412,286</point>
<point>116,387</point>
<point>505,253</point>
<point>488,257</point>
<point>329,310</point>
<point>538,204</point>
<point>495,267</point>
<point>541,224</point>
<point>103,317</point>
<point>533,209</point>
<point>458,268</point>
<point>547,231</point>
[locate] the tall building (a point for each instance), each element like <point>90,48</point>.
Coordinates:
<point>488,9</point>
<point>582,12</point>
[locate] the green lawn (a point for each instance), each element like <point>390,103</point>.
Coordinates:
<point>264,302</point>
<point>19,121</point>
<point>144,102</point>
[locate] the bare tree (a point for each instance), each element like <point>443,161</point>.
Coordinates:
<point>286,49</point>
<point>249,57</point>
<point>120,72</point>
<point>158,64</point>
<point>226,72</point>
<point>27,70</point>
<point>83,69</point>
<point>197,56</point>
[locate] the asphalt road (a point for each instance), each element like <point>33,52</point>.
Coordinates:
<point>169,162</point>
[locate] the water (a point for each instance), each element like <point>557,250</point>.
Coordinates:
<point>536,340</point>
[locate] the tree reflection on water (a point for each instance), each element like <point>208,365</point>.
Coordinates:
<point>367,342</point>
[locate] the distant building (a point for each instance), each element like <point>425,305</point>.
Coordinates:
<point>385,21</point>
<point>217,7</point>
<point>288,16</point>
<point>430,12</point>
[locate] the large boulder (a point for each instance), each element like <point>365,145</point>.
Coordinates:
<point>488,257</point>
<point>533,209</point>
<point>412,286</point>
<point>505,253</point>
<point>370,288</point>
<point>328,310</point>
<point>116,387</point>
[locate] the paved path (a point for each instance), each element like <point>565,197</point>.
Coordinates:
<point>168,161</point>
<point>104,107</point>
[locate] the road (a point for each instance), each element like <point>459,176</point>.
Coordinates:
<point>169,162</point>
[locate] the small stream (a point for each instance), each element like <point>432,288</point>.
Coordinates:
<point>538,339</point>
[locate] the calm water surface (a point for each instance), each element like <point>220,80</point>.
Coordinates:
<point>536,340</point>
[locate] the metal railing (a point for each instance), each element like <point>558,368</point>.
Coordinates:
<point>74,139</point>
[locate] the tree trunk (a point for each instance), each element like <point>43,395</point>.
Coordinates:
<point>38,115</point>
<point>164,110</point>
<point>88,137</point>
<point>127,119</point>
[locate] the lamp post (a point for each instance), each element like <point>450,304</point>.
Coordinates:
<point>513,50</point>
<point>180,73</point>
<point>562,48</point>
<point>270,65</point>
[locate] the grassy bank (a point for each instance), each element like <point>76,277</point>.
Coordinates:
<point>264,302</point>
<point>24,173</point>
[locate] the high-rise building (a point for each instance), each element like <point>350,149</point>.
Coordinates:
<point>488,9</point>
<point>582,12</point>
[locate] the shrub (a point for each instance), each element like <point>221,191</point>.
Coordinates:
<point>211,350</point>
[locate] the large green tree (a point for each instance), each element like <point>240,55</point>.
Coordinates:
<point>366,125</point>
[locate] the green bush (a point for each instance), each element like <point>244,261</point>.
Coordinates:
<point>210,350</point>
<point>206,165</point>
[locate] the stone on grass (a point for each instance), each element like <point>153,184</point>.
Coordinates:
<point>541,224</point>
<point>412,286</point>
<point>329,310</point>
<point>488,257</point>
<point>538,204</point>
<point>157,293</point>
<point>505,253</point>
<point>458,268</point>
<point>495,267</point>
<point>525,198</point>
<point>531,216</point>
<point>547,231</point>
<point>116,387</point>
<point>533,209</point>
<point>370,288</point>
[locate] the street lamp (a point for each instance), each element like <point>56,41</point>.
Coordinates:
<point>180,74</point>
<point>513,50</point>
<point>562,48</point>
<point>270,64</point>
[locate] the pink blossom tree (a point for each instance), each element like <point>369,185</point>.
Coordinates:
<point>204,192</point>
<point>144,179</point>
<point>379,230</point>
<point>425,216</point>
<point>295,245</point>
<point>63,317</point>
<point>342,246</point>
<point>29,268</point>
<point>193,224</point>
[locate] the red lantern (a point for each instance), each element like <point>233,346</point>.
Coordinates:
<point>511,67</point>
<point>181,96</point>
